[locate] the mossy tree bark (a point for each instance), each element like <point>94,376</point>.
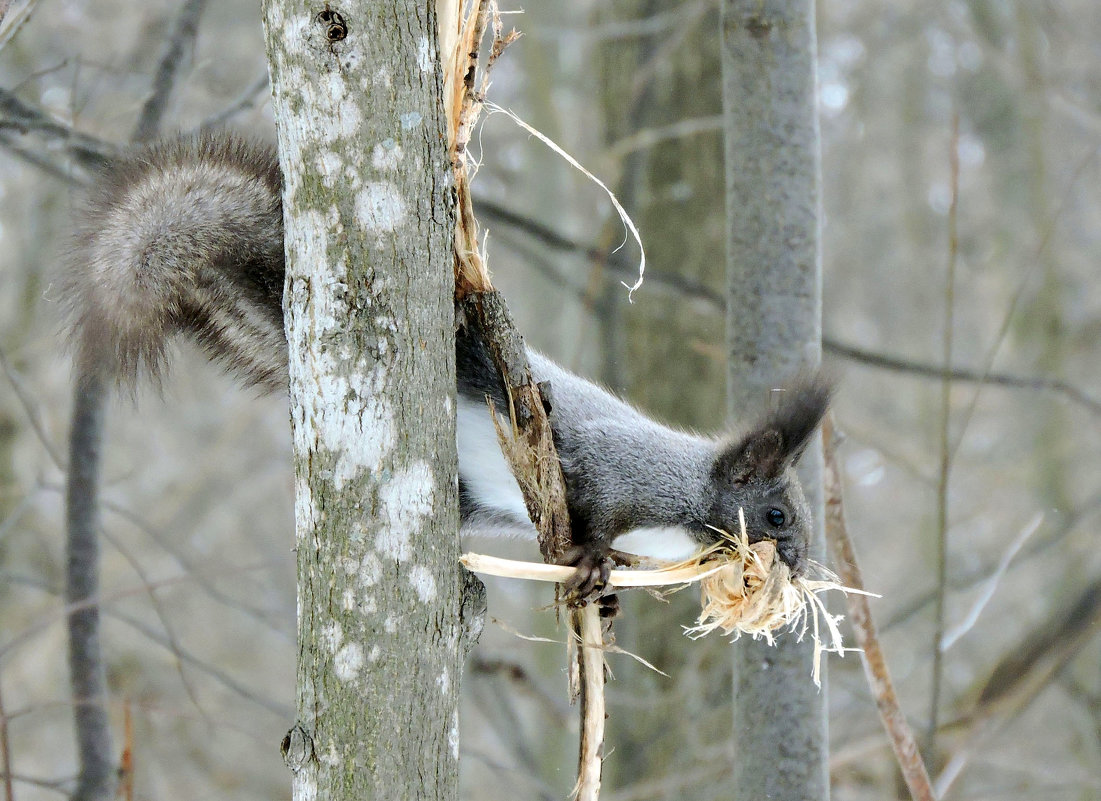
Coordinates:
<point>368,213</point>
<point>773,331</point>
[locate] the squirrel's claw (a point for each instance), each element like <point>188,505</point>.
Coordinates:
<point>593,566</point>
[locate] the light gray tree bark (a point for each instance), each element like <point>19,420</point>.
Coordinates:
<point>773,331</point>
<point>368,302</point>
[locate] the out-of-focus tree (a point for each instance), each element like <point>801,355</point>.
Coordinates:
<point>774,332</point>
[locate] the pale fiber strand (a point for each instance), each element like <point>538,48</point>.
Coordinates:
<point>537,571</point>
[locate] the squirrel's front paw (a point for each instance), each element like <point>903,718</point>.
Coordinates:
<point>593,564</point>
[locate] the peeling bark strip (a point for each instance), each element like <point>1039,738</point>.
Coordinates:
<point>357,95</point>
<point>774,331</point>
<point>531,453</point>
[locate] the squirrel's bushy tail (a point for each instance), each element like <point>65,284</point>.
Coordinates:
<point>183,236</point>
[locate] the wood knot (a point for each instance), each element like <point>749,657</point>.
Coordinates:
<point>336,29</point>
<point>297,748</point>
<point>759,27</point>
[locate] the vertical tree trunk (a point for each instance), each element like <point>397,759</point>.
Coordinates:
<point>357,96</point>
<point>773,331</point>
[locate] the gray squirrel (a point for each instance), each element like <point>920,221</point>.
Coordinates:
<point>186,236</point>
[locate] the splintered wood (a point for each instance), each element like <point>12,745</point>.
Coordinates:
<point>744,588</point>
<point>530,449</point>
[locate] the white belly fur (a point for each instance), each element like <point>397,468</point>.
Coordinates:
<point>486,476</point>
<point>482,466</point>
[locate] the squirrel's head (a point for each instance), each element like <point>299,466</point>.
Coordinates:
<point>756,473</point>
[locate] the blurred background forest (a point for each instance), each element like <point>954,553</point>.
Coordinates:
<point>199,575</point>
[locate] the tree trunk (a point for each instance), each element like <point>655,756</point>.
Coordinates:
<point>368,302</point>
<point>773,331</point>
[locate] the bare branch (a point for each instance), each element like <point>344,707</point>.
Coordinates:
<point>5,752</point>
<point>10,25</point>
<point>45,784</point>
<point>875,663</point>
<point>31,410</point>
<point>985,572</point>
<point>651,137</point>
<point>249,99</point>
<point>946,451</point>
<point>183,38</point>
<point>87,150</point>
<point>952,636</point>
<point>242,688</point>
<point>52,166</point>
<point>162,615</point>
<point>900,365</point>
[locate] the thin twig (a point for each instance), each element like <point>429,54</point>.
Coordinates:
<point>5,751</point>
<point>55,785</point>
<point>51,165</point>
<point>945,446</point>
<point>9,26</point>
<point>162,615</point>
<point>249,99</point>
<point>126,763</point>
<point>87,150</point>
<point>960,374</point>
<point>651,137</point>
<point>245,689</point>
<point>44,621</point>
<point>953,635</point>
<point>168,71</point>
<point>30,410</point>
<point>272,620</point>
<point>871,651</point>
<point>969,579</point>
<point>660,57</point>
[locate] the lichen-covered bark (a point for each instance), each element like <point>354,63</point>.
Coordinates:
<point>368,303</point>
<point>774,330</point>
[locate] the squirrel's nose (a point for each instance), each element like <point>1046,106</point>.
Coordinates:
<point>794,556</point>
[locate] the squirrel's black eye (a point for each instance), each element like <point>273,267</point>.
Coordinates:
<point>775,517</point>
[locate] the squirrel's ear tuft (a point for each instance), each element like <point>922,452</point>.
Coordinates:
<point>779,441</point>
